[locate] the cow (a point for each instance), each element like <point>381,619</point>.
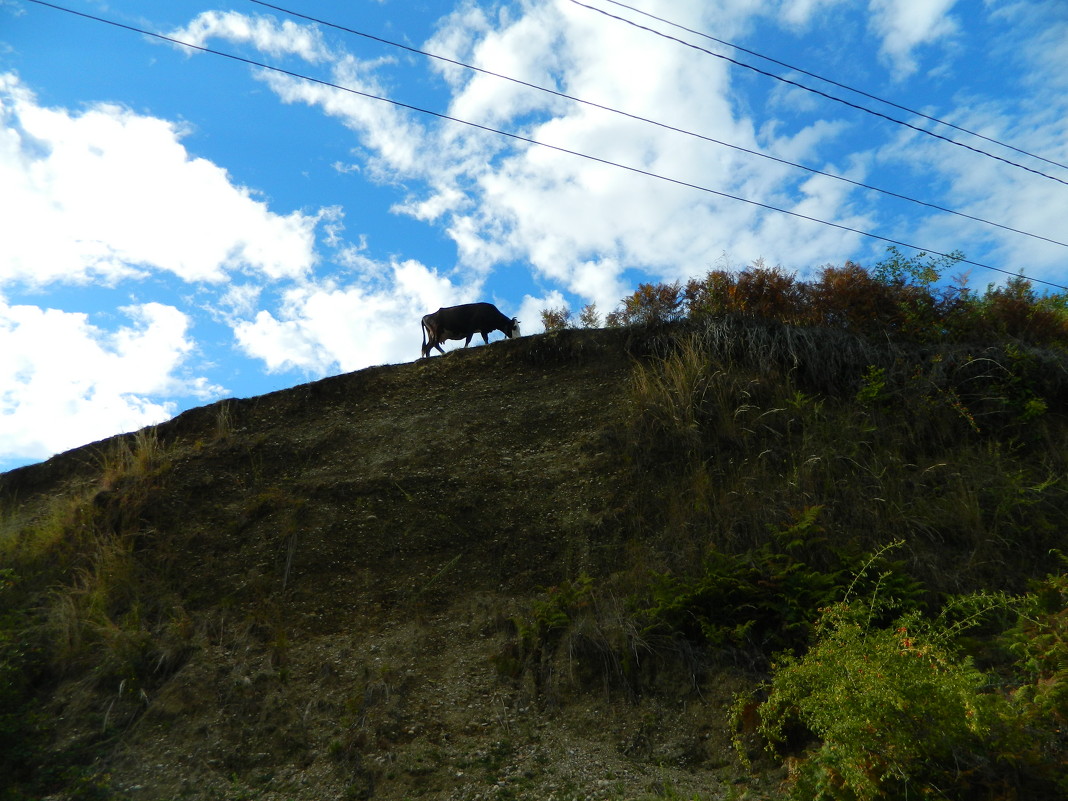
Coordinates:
<point>463,322</point>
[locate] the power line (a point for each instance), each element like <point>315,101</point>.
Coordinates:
<point>657,123</point>
<point>527,140</point>
<point>839,85</point>
<point>818,92</point>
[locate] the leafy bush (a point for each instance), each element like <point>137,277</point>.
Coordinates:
<point>589,317</point>
<point>1037,739</point>
<point>892,709</point>
<point>556,319</point>
<point>757,602</point>
<point>560,318</point>
<point>900,710</point>
<point>761,291</point>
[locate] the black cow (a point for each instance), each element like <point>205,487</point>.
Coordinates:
<point>463,322</point>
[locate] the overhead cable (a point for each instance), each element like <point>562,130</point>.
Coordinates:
<point>650,121</point>
<point>843,101</point>
<point>838,84</point>
<point>527,140</point>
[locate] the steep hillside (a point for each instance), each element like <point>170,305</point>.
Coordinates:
<point>542,569</point>
<point>337,564</point>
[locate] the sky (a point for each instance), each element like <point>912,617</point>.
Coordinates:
<point>179,226</point>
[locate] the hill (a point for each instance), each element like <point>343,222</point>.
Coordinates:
<point>537,569</point>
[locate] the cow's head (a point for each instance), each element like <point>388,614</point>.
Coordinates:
<point>513,326</point>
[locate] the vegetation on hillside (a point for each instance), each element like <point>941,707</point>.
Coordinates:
<point>857,486</point>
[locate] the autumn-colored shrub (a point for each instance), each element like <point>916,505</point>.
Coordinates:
<point>589,317</point>
<point>556,319</point>
<point>901,299</point>
<point>850,297</point>
<point>1015,310</point>
<point>649,305</point>
<point>710,296</point>
<point>770,292</point>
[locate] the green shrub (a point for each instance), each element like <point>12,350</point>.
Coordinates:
<point>759,601</point>
<point>893,710</point>
<point>901,710</point>
<point>1035,742</point>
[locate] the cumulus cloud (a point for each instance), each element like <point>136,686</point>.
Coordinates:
<point>322,326</point>
<point>800,13</point>
<point>67,381</point>
<point>904,25</point>
<point>579,223</point>
<point>582,223</point>
<point>101,196</point>
<point>108,194</point>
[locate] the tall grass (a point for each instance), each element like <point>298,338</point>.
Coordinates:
<point>725,447</point>
<point>103,608</point>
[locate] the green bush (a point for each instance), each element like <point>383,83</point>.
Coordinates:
<point>901,710</point>
<point>892,709</point>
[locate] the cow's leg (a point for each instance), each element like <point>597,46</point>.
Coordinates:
<point>468,340</point>
<point>485,337</point>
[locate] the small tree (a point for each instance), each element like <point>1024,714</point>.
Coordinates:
<point>590,317</point>
<point>556,319</point>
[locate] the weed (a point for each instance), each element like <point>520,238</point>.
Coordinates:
<point>224,421</point>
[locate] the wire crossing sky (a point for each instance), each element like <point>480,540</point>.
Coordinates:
<point>825,95</point>
<point>176,228</point>
<point>831,81</point>
<point>568,151</point>
<point>641,119</point>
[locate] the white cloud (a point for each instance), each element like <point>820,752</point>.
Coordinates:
<point>264,33</point>
<point>577,222</point>
<point>323,326</point>
<point>108,194</point>
<point>583,223</point>
<point>799,13</point>
<point>904,25</point>
<point>67,382</point>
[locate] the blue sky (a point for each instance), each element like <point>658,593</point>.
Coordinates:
<point>178,227</point>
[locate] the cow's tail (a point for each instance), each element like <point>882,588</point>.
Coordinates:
<point>425,332</point>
